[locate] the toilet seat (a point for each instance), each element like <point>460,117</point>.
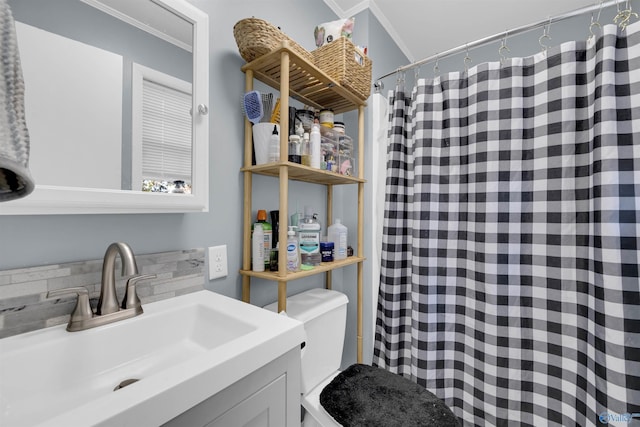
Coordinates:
<point>311,403</point>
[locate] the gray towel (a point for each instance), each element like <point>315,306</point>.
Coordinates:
<point>15,178</point>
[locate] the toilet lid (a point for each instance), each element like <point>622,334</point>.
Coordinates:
<point>311,403</point>
<point>364,395</point>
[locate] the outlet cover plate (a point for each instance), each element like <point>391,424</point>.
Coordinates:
<point>218,262</point>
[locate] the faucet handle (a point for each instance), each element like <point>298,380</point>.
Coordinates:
<point>131,299</point>
<point>82,310</point>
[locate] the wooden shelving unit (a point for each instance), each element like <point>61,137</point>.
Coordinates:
<point>286,71</point>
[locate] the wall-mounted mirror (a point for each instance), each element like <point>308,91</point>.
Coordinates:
<point>116,105</point>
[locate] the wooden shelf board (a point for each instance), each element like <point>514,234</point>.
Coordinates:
<point>308,84</point>
<point>303,173</point>
<point>322,268</point>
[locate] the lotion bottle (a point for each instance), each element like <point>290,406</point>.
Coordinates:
<point>293,253</point>
<point>258,248</point>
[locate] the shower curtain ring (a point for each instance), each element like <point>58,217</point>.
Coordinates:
<point>467,60</point>
<point>436,69</point>
<point>542,45</point>
<point>545,36</point>
<point>503,48</point>
<point>591,27</point>
<point>595,23</point>
<point>623,17</point>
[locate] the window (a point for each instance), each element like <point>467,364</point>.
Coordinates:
<point>161,132</point>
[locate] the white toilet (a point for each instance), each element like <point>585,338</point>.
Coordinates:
<point>324,314</point>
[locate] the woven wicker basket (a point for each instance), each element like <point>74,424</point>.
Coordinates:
<point>346,64</point>
<point>256,37</point>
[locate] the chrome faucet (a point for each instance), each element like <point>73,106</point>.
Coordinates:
<point>108,309</point>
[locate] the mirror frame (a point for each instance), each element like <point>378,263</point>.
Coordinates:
<point>48,200</point>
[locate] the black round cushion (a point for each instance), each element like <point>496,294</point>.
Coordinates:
<point>363,395</point>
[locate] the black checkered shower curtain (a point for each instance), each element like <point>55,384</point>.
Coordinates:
<point>509,277</point>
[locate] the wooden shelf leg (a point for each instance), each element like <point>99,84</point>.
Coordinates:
<point>246,289</point>
<point>282,296</point>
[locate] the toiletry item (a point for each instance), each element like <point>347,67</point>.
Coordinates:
<point>314,146</point>
<point>326,251</point>
<point>293,251</point>
<point>275,227</point>
<point>338,127</point>
<point>274,146</point>
<point>337,233</point>
<point>292,121</point>
<point>273,259</point>
<point>294,149</point>
<point>275,115</point>
<point>305,151</point>
<point>309,238</point>
<point>329,162</point>
<point>305,117</point>
<point>326,117</point>
<point>267,235</point>
<point>267,107</point>
<point>252,103</point>
<point>296,217</point>
<point>257,248</point>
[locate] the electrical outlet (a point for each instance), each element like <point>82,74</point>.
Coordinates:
<point>218,262</point>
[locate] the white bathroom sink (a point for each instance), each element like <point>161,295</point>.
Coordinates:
<point>181,350</point>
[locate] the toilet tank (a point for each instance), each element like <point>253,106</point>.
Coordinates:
<point>324,314</point>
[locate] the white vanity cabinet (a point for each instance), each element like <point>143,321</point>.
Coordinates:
<point>268,397</point>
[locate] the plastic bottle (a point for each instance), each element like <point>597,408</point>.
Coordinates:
<point>267,236</point>
<point>314,146</point>
<point>309,238</point>
<point>294,149</point>
<point>257,247</point>
<point>293,251</point>
<point>337,233</point>
<point>274,146</point>
<point>305,152</point>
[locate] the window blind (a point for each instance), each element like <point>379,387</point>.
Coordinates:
<point>166,133</point>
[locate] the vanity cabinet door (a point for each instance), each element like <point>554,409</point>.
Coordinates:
<point>267,397</point>
<point>265,408</point>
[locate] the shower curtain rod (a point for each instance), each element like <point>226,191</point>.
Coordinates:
<point>498,36</point>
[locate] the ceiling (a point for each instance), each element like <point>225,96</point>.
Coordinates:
<point>422,28</point>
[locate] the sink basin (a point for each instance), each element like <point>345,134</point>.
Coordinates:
<point>140,371</point>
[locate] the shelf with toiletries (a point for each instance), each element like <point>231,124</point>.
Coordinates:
<point>294,275</point>
<point>285,70</point>
<point>307,83</point>
<point>303,173</point>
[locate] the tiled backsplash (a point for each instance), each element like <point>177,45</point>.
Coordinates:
<point>24,306</point>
